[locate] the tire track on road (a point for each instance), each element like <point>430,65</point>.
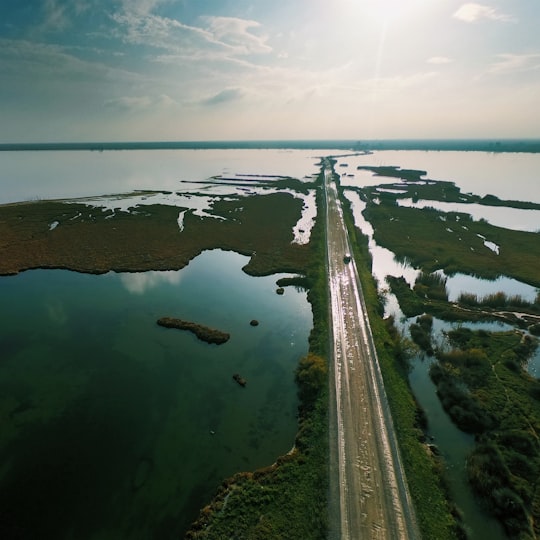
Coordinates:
<point>373,501</point>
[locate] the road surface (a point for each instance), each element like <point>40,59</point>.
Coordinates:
<point>369,498</point>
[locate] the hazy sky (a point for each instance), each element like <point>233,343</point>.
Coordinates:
<point>79,70</point>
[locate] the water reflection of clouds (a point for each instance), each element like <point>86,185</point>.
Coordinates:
<point>140,282</point>
<point>57,312</point>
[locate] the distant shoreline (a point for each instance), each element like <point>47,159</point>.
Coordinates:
<point>473,145</point>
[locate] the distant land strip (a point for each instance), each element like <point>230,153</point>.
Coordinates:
<point>478,145</point>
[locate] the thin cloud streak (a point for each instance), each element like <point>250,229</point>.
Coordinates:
<point>511,63</point>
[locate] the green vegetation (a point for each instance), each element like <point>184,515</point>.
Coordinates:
<point>87,239</point>
<point>486,392</point>
<point>432,286</point>
<point>204,333</point>
<point>416,188</point>
<point>424,472</point>
<point>395,172</point>
<point>409,302</point>
<point>453,242</point>
<point>421,299</point>
<point>421,333</point>
<point>301,282</point>
<point>534,329</point>
<point>500,300</point>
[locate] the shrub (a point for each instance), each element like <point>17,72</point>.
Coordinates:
<point>311,377</point>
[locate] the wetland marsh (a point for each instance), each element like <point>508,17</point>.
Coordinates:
<point>492,275</point>
<point>151,421</point>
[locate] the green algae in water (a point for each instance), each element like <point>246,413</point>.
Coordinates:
<point>115,428</point>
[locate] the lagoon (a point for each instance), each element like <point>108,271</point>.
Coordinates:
<point>115,427</point>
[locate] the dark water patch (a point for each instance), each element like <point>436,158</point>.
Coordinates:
<point>116,427</point>
<point>64,473</point>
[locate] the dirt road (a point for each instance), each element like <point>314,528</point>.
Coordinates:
<point>369,497</point>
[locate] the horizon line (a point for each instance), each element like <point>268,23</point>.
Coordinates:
<point>464,144</point>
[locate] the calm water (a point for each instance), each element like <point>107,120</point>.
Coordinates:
<point>508,176</point>
<point>113,427</point>
<point>65,174</point>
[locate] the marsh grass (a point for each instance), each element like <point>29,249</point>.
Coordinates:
<point>259,226</point>
<point>453,242</point>
<point>486,392</point>
<point>417,188</point>
<point>499,300</point>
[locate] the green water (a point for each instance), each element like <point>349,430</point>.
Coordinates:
<point>113,427</point>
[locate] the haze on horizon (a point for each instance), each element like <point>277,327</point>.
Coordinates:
<point>84,70</point>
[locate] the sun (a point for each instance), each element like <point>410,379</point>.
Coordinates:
<point>381,11</point>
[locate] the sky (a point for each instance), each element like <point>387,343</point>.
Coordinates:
<point>150,70</point>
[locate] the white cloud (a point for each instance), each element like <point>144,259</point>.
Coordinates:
<point>57,15</point>
<point>225,96</point>
<point>472,12</point>
<point>45,62</point>
<point>141,102</point>
<point>439,60</point>
<point>217,37</point>
<point>141,7</point>
<point>236,33</point>
<point>511,63</point>
<point>158,32</point>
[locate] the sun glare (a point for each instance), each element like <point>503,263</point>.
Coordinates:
<point>382,11</point>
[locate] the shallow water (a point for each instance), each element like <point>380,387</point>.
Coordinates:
<point>115,427</point>
<point>463,283</point>
<point>501,216</point>
<point>66,174</point>
<point>509,176</point>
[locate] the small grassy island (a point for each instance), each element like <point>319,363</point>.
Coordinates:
<point>204,333</point>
